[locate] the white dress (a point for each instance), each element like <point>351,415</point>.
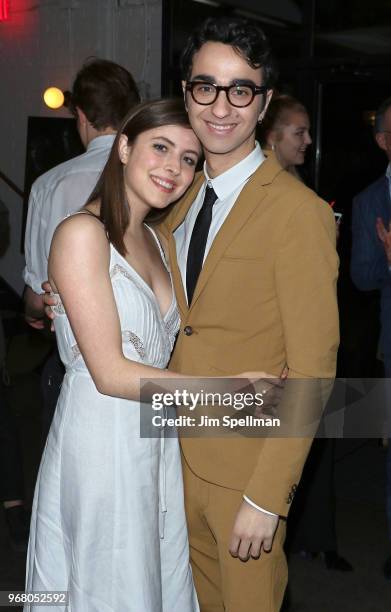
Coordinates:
<point>108,522</point>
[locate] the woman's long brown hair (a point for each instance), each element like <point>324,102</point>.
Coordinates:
<point>110,188</point>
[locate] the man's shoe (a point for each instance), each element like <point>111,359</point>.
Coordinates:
<point>18,523</point>
<point>334,562</point>
<point>387,568</point>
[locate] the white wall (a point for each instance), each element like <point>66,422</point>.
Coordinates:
<point>43,43</point>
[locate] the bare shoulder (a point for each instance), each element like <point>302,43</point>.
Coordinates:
<point>81,229</point>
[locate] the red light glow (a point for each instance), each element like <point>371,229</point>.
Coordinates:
<point>3,10</point>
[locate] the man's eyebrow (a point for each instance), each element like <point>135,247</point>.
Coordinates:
<point>244,82</point>
<point>211,79</point>
<point>204,77</point>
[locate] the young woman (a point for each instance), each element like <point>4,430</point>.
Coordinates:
<point>286,130</point>
<point>108,523</point>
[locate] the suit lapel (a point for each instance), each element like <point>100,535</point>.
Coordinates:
<point>381,205</point>
<point>387,198</point>
<point>248,201</point>
<point>181,210</point>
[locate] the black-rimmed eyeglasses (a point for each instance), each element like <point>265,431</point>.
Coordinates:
<point>240,96</point>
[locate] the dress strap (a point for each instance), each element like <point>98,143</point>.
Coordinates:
<point>161,250</point>
<point>87,212</point>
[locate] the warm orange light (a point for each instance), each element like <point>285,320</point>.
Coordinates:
<point>53,97</point>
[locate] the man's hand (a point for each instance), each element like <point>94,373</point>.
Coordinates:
<point>34,308</point>
<point>252,531</point>
<point>34,322</point>
<point>385,237</point>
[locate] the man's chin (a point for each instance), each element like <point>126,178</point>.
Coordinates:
<point>219,149</point>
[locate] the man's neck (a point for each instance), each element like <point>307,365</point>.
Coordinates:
<point>218,163</point>
<point>92,133</point>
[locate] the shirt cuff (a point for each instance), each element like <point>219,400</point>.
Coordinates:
<point>258,507</point>
<point>32,281</point>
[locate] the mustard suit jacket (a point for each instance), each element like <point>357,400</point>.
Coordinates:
<point>266,297</point>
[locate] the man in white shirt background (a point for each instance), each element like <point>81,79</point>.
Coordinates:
<point>102,94</point>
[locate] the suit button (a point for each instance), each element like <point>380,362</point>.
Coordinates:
<point>188,330</point>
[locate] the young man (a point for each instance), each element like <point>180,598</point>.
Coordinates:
<point>102,94</point>
<point>252,253</point>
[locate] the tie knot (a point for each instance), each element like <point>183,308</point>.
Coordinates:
<point>210,197</point>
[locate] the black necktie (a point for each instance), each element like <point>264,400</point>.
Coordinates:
<point>195,256</point>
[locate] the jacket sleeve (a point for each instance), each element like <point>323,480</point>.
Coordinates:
<point>369,267</point>
<point>305,276</point>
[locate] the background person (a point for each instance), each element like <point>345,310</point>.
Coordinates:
<point>286,130</point>
<point>102,94</point>
<point>371,261</point>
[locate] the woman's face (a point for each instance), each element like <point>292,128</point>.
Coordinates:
<point>159,166</point>
<point>292,139</point>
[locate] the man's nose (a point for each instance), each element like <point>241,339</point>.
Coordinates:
<point>221,107</point>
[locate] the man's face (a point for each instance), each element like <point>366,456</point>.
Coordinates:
<point>383,138</point>
<point>225,131</point>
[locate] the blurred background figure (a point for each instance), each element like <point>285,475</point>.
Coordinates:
<point>371,261</point>
<point>286,130</point>
<point>311,523</point>
<point>102,94</point>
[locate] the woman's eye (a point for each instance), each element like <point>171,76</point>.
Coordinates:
<point>190,161</point>
<point>159,147</point>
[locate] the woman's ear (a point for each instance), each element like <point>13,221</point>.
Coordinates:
<point>123,149</point>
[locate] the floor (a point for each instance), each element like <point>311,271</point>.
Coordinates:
<point>361,522</point>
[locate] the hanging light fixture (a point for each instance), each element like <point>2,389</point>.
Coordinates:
<point>53,97</point>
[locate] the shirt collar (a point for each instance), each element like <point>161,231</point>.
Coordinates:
<point>229,181</point>
<point>101,142</point>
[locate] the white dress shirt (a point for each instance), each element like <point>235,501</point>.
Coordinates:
<point>56,194</point>
<point>227,187</point>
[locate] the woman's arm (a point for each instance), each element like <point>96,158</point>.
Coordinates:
<point>79,272</point>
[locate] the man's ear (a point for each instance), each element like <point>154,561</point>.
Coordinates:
<point>269,95</point>
<point>81,116</point>
<point>184,93</point>
<point>381,140</point>
<point>123,149</point>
